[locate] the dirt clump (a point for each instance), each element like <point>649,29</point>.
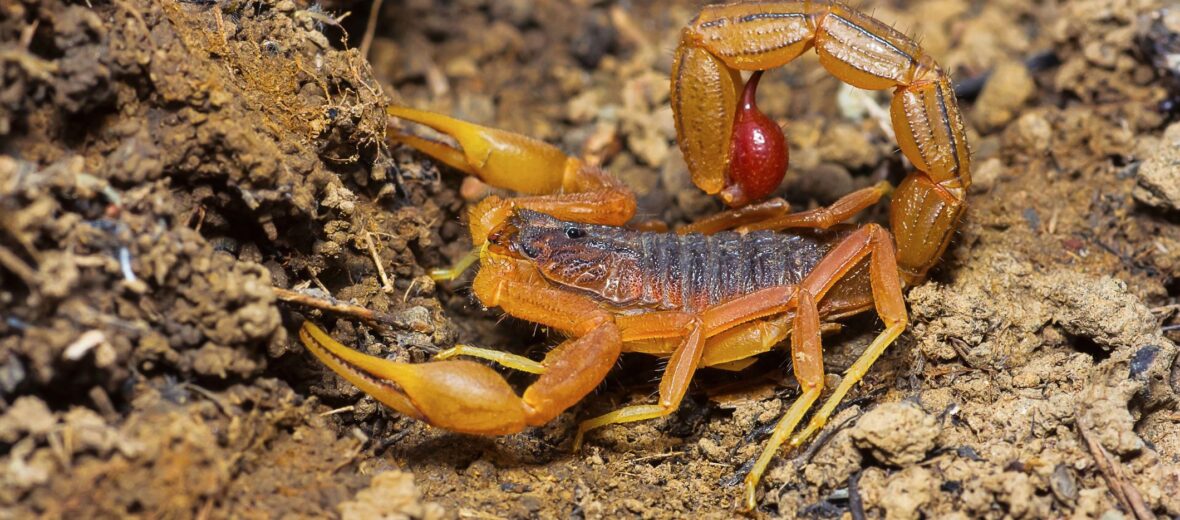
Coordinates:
<point>1159,175</point>
<point>1004,96</point>
<point>897,434</point>
<point>164,166</point>
<point>391,494</point>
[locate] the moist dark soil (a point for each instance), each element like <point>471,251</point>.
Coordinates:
<point>176,175</point>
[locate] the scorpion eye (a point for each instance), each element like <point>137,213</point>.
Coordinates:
<point>574,233</point>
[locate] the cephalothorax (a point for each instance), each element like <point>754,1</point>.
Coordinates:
<point>705,296</point>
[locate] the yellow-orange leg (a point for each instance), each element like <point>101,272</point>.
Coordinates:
<point>774,214</point>
<point>870,241</point>
<point>807,361</point>
<point>857,49</point>
<point>825,217</point>
<point>734,317</point>
<point>677,376</point>
<point>728,329</point>
<point>455,271</point>
<point>734,218</point>
<point>504,359</point>
<point>732,349</point>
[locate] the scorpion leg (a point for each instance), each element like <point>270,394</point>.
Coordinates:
<point>735,348</point>
<point>745,341</point>
<point>807,361</point>
<point>504,359</point>
<point>886,284</point>
<point>825,217</point>
<point>728,349</point>
<point>456,270</point>
<point>674,383</point>
<point>875,243</point>
<point>737,217</point>
<point>712,322</point>
<point>774,214</point>
<point>725,322</point>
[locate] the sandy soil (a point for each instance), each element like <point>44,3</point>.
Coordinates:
<point>166,166</point>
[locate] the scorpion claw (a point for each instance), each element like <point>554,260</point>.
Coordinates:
<point>497,157</point>
<point>461,396</point>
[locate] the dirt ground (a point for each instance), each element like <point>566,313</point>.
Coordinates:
<point>172,172</point>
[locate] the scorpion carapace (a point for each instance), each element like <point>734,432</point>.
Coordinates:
<point>629,268</point>
<point>560,257</point>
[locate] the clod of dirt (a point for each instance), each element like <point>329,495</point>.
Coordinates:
<point>1159,175</point>
<point>903,495</point>
<point>1005,93</point>
<point>898,434</point>
<point>840,459</point>
<point>27,416</point>
<point>391,495</point>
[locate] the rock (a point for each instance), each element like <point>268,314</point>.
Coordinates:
<point>898,434</point>
<point>1007,90</point>
<point>1031,134</point>
<point>28,415</point>
<point>1159,176</point>
<point>907,493</point>
<point>390,495</point>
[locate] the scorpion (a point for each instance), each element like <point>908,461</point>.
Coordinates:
<point>713,293</point>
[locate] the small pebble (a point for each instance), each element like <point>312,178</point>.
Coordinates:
<point>898,434</point>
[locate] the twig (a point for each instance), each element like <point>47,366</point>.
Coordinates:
<point>203,392</point>
<point>370,28</point>
<point>13,263</point>
<point>333,305</point>
<point>406,295</point>
<point>1112,472</point>
<point>856,504</point>
<point>385,285</point>
<point>27,33</point>
<point>822,439</point>
<point>342,409</point>
<point>385,443</point>
<point>657,456</point>
<point>85,343</point>
<point>37,67</point>
<point>1165,308</point>
<point>316,280</point>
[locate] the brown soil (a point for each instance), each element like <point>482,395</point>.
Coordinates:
<point>165,164</point>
